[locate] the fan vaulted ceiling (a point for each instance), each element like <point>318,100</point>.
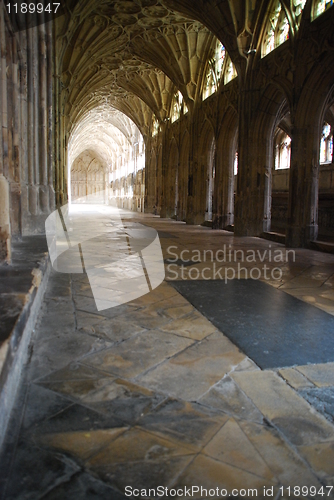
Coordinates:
<point>132,56</point>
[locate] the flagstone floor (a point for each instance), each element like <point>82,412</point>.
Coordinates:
<point>151,393</point>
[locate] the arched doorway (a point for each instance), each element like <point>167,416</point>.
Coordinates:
<point>281,175</point>
<point>87,179</point>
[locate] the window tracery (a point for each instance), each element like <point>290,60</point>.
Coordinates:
<point>210,85</point>
<point>278,28</point>
<point>298,6</point>
<point>220,65</point>
<point>320,6</point>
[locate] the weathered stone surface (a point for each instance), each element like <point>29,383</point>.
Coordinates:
<point>129,430</point>
<point>321,375</point>
<point>138,354</point>
<point>286,410</point>
<point>227,397</point>
<point>322,399</point>
<point>295,378</point>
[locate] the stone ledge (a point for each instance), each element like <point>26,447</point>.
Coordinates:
<point>272,236</point>
<point>322,246</point>
<point>22,286</point>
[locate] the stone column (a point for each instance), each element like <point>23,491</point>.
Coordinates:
<point>255,158</point>
<point>223,199</point>
<point>50,115</point>
<point>24,146</point>
<point>15,177</point>
<point>42,119</point>
<point>31,57</point>
<point>303,190</point>
<point>5,233</point>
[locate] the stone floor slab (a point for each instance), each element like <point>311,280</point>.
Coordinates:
<point>227,397</point>
<point>282,459</point>
<point>80,445</point>
<point>284,408</point>
<point>231,445</point>
<point>189,423</point>
<point>273,328</point>
<point>321,458</point>
<point>295,378</point>
<point>185,406</point>
<point>138,354</point>
<point>138,445</point>
<point>209,474</point>
<point>321,375</point>
<point>83,486</point>
<point>199,367</point>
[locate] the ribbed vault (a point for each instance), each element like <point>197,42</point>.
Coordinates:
<point>131,55</point>
<point>109,132</point>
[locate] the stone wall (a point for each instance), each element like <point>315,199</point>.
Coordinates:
<point>26,139</point>
<point>242,116</point>
<point>279,211</point>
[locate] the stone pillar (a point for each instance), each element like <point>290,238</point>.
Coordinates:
<point>5,233</point>
<point>255,158</point>
<point>32,193</point>
<point>223,199</point>
<point>164,175</point>
<point>50,115</point>
<point>42,129</point>
<point>15,173</point>
<point>303,194</point>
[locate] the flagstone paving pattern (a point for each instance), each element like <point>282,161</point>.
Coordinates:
<point>151,393</point>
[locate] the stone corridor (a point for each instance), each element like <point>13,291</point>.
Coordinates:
<point>151,393</point>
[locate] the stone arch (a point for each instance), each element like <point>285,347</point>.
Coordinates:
<point>315,98</point>
<point>223,209</point>
<point>256,163</point>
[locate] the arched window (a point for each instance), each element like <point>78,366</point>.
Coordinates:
<point>235,165</point>
<point>283,31</point>
<point>155,127</point>
<point>320,6</point>
<point>220,55</point>
<point>277,30</point>
<point>282,150</point>
<point>230,71</point>
<point>177,107</point>
<point>210,84</point>
<point>326,144</point>
<point>215,70</point>
<point>221,64</point>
